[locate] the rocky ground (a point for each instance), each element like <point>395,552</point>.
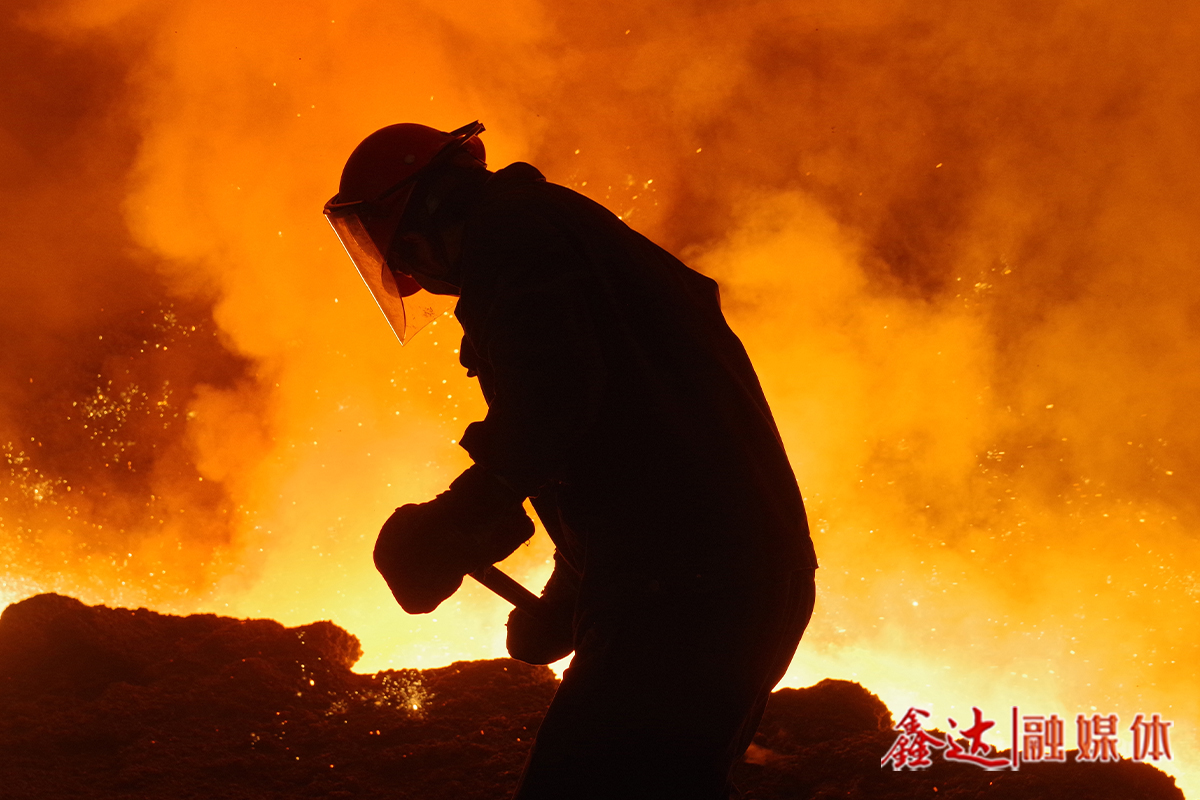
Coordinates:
<point>98,702</point>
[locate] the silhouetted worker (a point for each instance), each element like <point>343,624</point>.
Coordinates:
<point>622,404</point>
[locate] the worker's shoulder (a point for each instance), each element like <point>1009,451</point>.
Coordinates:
<point>521,190</point>
<point>515,175</point>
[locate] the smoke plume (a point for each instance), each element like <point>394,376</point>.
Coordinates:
<point>958,240</point>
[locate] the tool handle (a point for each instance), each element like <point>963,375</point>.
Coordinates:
<point>511,591</point>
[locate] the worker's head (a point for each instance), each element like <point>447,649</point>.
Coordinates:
<point>398,191</point>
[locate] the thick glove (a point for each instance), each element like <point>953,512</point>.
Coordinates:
<point>425,549</point>
<point>544,641</point>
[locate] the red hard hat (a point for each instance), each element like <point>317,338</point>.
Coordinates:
<point>397,153</point>
<point>377,182</point>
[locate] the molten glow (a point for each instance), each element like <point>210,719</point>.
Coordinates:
<point>960,244</point>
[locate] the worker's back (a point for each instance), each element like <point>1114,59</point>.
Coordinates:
<point>611,373</point>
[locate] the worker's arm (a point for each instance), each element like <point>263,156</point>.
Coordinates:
<point>548,634</point>
<point>536,325</point>
<point>425,549</point>
<point>529,309</point>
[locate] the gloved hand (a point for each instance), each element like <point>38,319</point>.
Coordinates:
<point>544,641</point>
<point>425,549</point>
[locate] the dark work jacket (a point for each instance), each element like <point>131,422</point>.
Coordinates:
<point>618,397</point>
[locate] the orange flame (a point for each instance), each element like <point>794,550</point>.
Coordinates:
<point>959,244</point>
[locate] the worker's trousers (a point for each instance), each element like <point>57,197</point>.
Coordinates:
<point>666,691</point>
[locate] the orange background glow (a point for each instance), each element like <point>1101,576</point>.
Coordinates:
<point>959,241</point>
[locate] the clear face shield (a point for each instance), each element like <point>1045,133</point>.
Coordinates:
<point>407,307</point>
<point>366,228</point>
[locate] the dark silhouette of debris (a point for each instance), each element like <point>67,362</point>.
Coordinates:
<point>98,702</point>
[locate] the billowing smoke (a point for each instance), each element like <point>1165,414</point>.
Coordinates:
<point>958,239</point>
<point>104,364</point>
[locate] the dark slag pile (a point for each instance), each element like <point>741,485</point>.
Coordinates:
<point>97,702</point>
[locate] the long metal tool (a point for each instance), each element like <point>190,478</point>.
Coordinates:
<point>510,590</point>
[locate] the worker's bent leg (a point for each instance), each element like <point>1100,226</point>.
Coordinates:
<point>663,698</point>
